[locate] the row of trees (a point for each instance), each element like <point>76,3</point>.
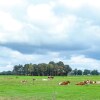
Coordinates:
<point>43,69</point>
<point>85,72</point>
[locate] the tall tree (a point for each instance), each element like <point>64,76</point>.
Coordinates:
<point>67,69</point>
<point>75,71</point>
<point>50,69</point>
<point>60,63</point>
<point>42,68</point>
<point>52,62</point>
<point>17,69</point>
<point>86,72</point>
<point>79,72</point>
<point>31,69</point>
<point>25,68</point>
<point>36,70</point>
<point>94,72</point>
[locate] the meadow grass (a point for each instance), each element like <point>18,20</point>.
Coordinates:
<point>11,88</point>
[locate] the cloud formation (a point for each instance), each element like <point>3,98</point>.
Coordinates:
<point>41,31</point>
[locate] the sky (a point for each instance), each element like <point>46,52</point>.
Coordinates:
<point>40,31</point>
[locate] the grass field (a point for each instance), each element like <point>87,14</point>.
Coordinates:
<point>11,88</point>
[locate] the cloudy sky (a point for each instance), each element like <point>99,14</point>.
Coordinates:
<point>36,31</point>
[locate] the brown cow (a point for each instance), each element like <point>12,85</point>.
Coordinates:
<point>50,77</point>
<point>81,83</point>
<point>64,83</point>
<point>86,82</point>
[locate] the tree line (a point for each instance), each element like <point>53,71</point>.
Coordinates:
<point>43,69</point>
<point>84,72</point>
<point>50,69</point>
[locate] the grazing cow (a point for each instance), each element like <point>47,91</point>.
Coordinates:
<point>64,83</point>
<point>50,77</point>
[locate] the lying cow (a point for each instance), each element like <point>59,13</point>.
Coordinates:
<point>90,82</point>
<point>81,83</point>
<point>86,82</point>
<point>64,83</point>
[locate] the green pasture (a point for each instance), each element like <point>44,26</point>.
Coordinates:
<point>11,88</point>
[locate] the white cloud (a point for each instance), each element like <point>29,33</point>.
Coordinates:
<point>9,57</point>
<point>81,59</point>
<point>17,37</point>
<point>7,67</point>
<point>91,33</point>
<point>72,4</point>
<point>10,3</point>
<point>41,13</point>
<point>77,4</point>
<point>8,23</point>
<point>93,4</point>
<point>82,62</point>
<point>64,24</point>
<point>50,24</point>
<point>94,30</point>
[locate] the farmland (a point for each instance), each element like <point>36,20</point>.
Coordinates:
<point>11,88</point>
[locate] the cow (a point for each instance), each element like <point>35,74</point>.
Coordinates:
<point>24,81</point>
<point>50,77</point>
<point>90,82</point>
<point>81,83</point>
<point>86,82</point>
<point>64,83</point>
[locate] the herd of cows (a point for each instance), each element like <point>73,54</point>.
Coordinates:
<point>86,82</point>
<point>80,83</point>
